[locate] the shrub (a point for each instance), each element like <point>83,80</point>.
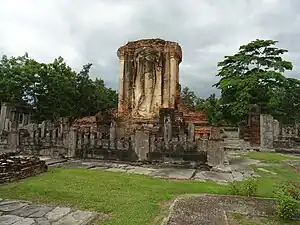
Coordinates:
<point>288,200</point>
<point>246,188</point>
<point>250,186</point>
<point>235,188</point>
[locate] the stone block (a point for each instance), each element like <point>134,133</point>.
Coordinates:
<point>174,173</point>
<point>142,144</point>
<point>43,129</point>
<point>15,220</point>
<point>276,130</point>
<point>72,142</point>
<point>33,211</point>
<point>266,131</point>
<point>191,132</point>
<point>214,176</point>
<point>215,133</point>
<point>4,114</point>
<point>7,125</point>
<point>11,205</point>
<point>57,213</point>
<point>167,129</point>
<point>202,145</point>
<point>77,218</point>
<point>141,170</point>
<point>215,153</point>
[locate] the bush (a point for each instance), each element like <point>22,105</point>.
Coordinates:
<point>288,200</point>
<point>250,186</point>
<point>246,188</point>
<point>235,188</point>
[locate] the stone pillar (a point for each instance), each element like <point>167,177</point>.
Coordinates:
<point>215,148</point>
<point>43,129</point>
<point>29,118</point>
<point>72,142</point>
<point>7,125</point>
<point>173,83</point>
<point>166,83</point>
<point>276,128</point>
<point>167,119</point>
<point>167,129</point>
<point>15,120</point>
<point>191,132</point>
<point>142,145</point>
<point>266,131</point>
<point>5,114</point>
<point>112,132</point>
<point>23,119</point>
<point>128,69</point>
<point>14,139</point>
<point>254,125</point>
<point>215,152</point>
<point>121,85</point>
<point>54,136</point>
<point>93,133</point>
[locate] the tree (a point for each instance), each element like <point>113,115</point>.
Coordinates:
<point>251,76</point>
<point>212,109</point>
<point>16,78</point>
<point>92,96</point>
<point>54,90</point>
<point>189,97</point>
<point>285,102</point>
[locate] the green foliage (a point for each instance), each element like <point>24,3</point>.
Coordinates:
<point>212,109</point>
<point>246,188</point>
<point>189,97</point>
<point>54,89</point>
<point>91,96</point>
<point>288,200</point>
<point>252,76</point>
<point>235,188</point>
<point>209,106</point>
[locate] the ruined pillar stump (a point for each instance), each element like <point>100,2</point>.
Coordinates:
<point>266,132</point>
<point>148,77</point>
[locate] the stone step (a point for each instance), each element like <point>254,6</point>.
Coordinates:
<point>27,213</point>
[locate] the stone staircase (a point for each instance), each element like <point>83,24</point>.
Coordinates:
<point>232,142</point>
<point>235,144</point>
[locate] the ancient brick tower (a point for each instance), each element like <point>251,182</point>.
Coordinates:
<point>149,77</point>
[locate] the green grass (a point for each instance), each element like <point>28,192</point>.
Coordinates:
<point>268,182</point>
<point>130,199</point>
<point>269,157</point>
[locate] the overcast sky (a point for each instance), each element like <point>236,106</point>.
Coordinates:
<point>91,31</point>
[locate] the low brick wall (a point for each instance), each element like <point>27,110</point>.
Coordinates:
<point>13,168</point>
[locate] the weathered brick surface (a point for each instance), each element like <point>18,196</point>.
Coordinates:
<point>15,168</point>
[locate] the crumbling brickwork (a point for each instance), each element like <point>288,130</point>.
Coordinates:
<point>14,168</point>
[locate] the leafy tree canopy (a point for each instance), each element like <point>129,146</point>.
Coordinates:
<point>254,75</point>
<point>53,89</point>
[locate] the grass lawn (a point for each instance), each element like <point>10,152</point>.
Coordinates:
<point>269,157</point>
<point>131,199</point>
<point>268,182</point>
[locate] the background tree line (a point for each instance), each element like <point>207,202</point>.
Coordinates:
<point>254,75</point>
<point>54,89</point>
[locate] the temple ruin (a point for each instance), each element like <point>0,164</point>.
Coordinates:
<point>149,77</point>
<point>152,124</point>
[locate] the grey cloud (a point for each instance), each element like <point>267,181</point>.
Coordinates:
<point>207,30</point>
